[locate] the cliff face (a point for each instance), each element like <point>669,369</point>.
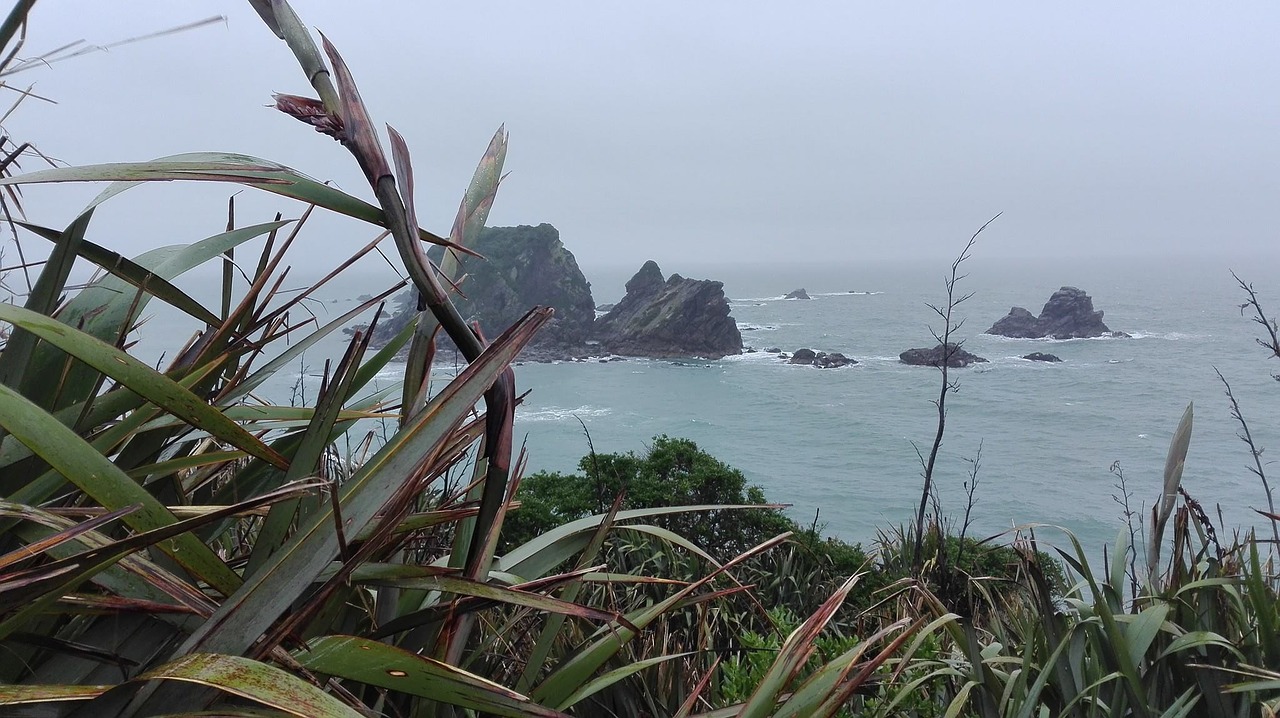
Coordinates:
<point>519,268</point>
<point>524,267</point>
<point>671,317</point>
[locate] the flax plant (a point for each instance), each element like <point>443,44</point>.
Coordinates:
<point>173,546</point>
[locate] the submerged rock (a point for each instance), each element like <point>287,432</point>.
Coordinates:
<point>1069,314</point>
<point>954,356</point>
<point>671,317</point>
<point>798,294</point>
<point>1041,356</point>
<point>821,360</point>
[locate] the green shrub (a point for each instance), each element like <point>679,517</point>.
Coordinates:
<point>673,472</point>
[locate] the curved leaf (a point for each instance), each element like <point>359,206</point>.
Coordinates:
<point>378,664</point>
<point>16,695</point>
<point>95,475</point>
<point>142,379</point>
<point>256,681</point>
<point>216,167</point>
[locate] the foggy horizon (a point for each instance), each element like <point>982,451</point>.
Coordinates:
<point>696,135</point>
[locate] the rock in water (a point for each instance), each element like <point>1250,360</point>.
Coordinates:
<point>1068,314</point>
<point>1040,356</point>
<point>803,356</point>
<point>821,360</point>
<point>832,360</point>
<point>798,294</point>
<point>670,318</point>
<point>519,268</point>
<point>955,357</point>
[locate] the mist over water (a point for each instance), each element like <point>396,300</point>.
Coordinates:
<point>842,442</point>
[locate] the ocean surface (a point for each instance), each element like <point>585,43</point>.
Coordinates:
<point>841,444</point>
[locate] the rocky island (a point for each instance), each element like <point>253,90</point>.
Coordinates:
<point>798,294</point>
<point>955,357</point>
<point>1068,314</point>
<point>522,267</point>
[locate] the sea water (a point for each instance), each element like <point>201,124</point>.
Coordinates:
<point>844,444</point>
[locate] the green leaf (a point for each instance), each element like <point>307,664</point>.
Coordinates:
<point>378,664</point>
<point>1142,630</point>
<point>95,475</point>
<point>1196,639</point>
<point>134,274</point>
<point>215,167</point>
<point>1172,480</point>
<point>420,578</point>
<point>20,348</point>
<point>242,618</point>
<point>793,653</point>
<point>576,670</point>
<point>605,680</point>
<point>543,553</point>
<point>251,382</point>
<point>255,681</point>
<point>106,308</point>
<point>142,379</point>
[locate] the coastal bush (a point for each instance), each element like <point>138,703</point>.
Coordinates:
<point>671,472</point>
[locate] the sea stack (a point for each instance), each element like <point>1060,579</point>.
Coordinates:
<point>1069,314</point>
<point>674,317</point>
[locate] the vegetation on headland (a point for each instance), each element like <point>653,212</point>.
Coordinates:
<point>161,529</point>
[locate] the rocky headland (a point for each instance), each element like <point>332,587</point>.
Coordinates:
<point>1069,314</point>
<point>955,357</point>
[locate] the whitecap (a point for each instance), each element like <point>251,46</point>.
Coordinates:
<point>556,413</point>
<point>1167,336</point>
<point>755,356</point>
<point>1051,340</point>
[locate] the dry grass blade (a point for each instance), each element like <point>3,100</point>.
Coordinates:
<point>36,548</point>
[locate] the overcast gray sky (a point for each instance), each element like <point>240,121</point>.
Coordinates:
<point>830,131</point>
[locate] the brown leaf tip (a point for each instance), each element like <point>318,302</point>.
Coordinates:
<point>312,112</point>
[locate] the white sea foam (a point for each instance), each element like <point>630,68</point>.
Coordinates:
<point>757,356</point>
<point>556,413</point>
<point>1167,336</point>
<point>749,327</point>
